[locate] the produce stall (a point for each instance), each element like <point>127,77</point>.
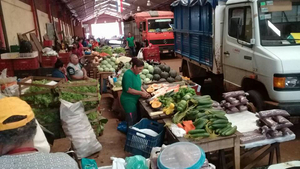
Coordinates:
<point>207,125</point>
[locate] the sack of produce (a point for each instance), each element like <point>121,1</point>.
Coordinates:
<point>269,122</point>
<point>280,119</point>
<point>78,129</point>
<point>274,112</point>
<point>252,136</point>
<point>286,131</point>
<point>234,94</point>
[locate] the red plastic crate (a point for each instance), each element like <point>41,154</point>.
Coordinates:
<point>10,73</point>
<point>151,53</point>
<point>48,61</point>
<point>47,43</point>
<point>26,64</point>
<point>6,64</point>
<point>65,58</point>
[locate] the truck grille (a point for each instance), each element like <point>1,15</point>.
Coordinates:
<point>163,41</point>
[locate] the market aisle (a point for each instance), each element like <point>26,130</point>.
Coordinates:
<point>112,140</point>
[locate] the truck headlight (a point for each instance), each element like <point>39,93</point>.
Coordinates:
<point>286,82</point>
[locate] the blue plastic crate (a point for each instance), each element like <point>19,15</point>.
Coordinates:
<point>139,143</point>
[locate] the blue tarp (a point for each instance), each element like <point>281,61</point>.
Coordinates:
<point>213,3</point>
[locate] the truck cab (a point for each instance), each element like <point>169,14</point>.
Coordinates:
<point>261,50</point>
<point>254,45</point>
<point>155,28</point>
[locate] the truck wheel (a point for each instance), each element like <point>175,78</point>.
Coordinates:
<point>257,100</point>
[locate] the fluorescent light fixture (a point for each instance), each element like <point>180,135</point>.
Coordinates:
<point>148,3</point>
<point>112,5</point>
<point>274,28</point>
<point>163,20</point>
<point>125,3</point>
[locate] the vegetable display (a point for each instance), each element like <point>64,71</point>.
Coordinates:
<point>187,106</point>
<point>109,64</point>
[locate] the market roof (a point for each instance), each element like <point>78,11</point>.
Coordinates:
<point>85,10</point>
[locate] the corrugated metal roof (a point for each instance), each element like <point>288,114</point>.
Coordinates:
<point>85,10</point>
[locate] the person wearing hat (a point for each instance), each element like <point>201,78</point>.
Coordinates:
<point>17,130</point>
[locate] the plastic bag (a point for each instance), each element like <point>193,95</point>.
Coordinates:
<point>78,129</point>
<point>252,136</point>
<point>275,133</point>
<point>140,54</point>
<point>231,99</point>
<point>232,110</point>
<point>215,104</point>
<point>280,119</point>
<point>243,99</point>
<point>118,163</point>
<point>265,129</point>
<point>136,162</point>
<point>268,121</point>
<point>281,126</point>
<point>274,112</point>
<point>9,86</point>
<point>222,102</point>
<point>286,131</point>
<point>234,94</point>
<point>88,163</point>
<point>242,108</point>
<point>122,127</point>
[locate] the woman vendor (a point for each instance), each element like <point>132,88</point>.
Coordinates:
<point>132,90</point>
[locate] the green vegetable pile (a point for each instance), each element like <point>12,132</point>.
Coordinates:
<point>105,49</point>
<point>209,122</point>
<point>42,100</point>
<point>119,50</point>
<point>76,93</point>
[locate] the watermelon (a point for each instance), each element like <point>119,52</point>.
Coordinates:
<point>145,71</point>
<point>162,67</point>
<point>106,69</point>
<point>104,66</point>
<point>112,70</point>
<point>147,80</point>
<point>162,80</point>
<point>146,65</point>
<point>149,76</point>
<point>113,59</point>
<point>108,66</point>
<point>143,76</point>
<point>151,69</point>
<point>178,78</point>
<point>156,77</point>
<point>157,70</point>
<point>173,73</point>
<point>167,68</point>
<point>164,75</point>
<point>100,69</point>
<point>170,79</point>
<point>104,62</point>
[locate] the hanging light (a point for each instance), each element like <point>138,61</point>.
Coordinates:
<point>138,8</point>
<point>148,3</point>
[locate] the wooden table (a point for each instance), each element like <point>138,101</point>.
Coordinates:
<point>146,110</point>
<point>209,144</point>
<point>103,75</point>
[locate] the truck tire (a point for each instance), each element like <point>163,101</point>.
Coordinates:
<point>256,99</point>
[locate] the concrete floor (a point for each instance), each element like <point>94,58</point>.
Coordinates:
<point>113,141</point>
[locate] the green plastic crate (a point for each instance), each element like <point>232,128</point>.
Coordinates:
<point>14,48</point>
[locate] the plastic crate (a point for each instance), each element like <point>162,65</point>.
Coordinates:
<point>10,55</point>
<point>65,58</point>
<point>6,64</point>
<point>151,53</point>
<point>48,61</point>
<point>48,43</point>
<point>139,143</point>
<point>26,64</point>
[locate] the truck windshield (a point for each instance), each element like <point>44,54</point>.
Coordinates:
<point>160,25</point>
<point>279,22</point>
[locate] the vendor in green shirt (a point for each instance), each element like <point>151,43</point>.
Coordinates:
<point>132,90</point>
<point>130,43</point>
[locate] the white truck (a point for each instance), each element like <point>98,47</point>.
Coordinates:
<point>252,45</point>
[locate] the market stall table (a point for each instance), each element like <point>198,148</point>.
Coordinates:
<point>212,144</point>
<point>103,75</point>
<point>246,117</point>
<point>147,111</point>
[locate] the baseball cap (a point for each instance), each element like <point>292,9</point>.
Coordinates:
<point>14,106</point>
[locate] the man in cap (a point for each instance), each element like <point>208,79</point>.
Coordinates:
<point>17,129</point>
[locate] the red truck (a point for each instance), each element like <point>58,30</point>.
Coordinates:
<point>152,27</point>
